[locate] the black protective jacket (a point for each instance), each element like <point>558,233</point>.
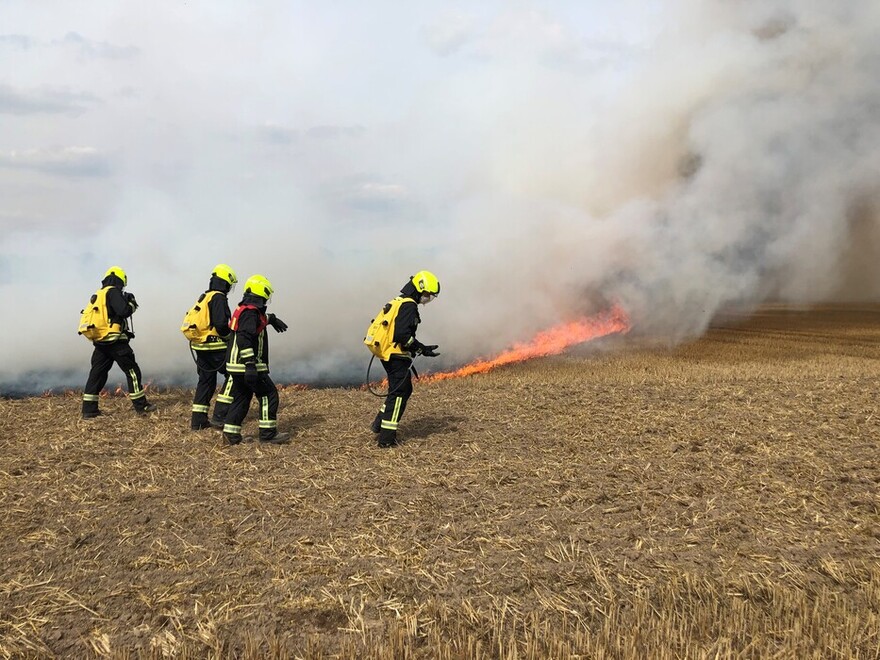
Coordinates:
<point>250,341</point>
<point>407,320</point>
<point>119,310</point>
<point>218,308</point>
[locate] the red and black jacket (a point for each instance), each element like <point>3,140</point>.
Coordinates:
<point>250,341</point>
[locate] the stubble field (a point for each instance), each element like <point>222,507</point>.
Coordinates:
<point>715,500</point>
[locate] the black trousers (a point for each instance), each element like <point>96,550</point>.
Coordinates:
<point>208,365</point>
<point>103,358</point>
<point>399,390</point>
<point>267,396</point>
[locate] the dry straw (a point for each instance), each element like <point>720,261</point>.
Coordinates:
<point>715,501</point>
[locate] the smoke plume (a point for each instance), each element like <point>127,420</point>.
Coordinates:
<point>674,157</point>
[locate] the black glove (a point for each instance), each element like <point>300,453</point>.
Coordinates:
<point>251,378</point>
<point>430,350</point>
<point>130,299</point>
<point>278,324</point>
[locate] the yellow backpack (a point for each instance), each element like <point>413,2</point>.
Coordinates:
<point>197,321</point>
<point>94,321</point>
<point>380,335</point>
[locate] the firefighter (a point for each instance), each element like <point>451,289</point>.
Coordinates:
<point>210,351</point>
<point>110,336</point>
<point>421,289</point>
<point>247,361</point>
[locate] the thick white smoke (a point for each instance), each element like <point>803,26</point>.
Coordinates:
<point>680,159</point>
<point>735,161</point>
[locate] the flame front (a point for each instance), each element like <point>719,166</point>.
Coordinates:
<point>548,342</point>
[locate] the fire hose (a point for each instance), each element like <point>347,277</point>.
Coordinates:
<point>196,362</point>
<point>369,385</point>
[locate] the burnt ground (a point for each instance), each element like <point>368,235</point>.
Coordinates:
<point>719,499</point>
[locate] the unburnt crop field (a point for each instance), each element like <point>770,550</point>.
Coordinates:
<point>718,499</point>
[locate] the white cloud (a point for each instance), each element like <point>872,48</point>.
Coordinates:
<point>334,132</point>
<point>63,161</point>
<point>44,101</point>
<point>447,33</point>
<point>16,41</point>
<point>380,191</point>
<point>90,48</point>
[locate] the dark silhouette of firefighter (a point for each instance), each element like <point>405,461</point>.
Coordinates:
<point>104,322</point>
<point>247,361</point>
<point>392,338</point>
<point>206,326</point>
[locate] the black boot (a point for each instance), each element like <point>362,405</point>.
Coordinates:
<point>145,408</point>
<point>376,426</point>
<point>90,409</point>
<point>387,438</point>
<point>232,438</point>
<point>276,438</point>
<point>200,421</point>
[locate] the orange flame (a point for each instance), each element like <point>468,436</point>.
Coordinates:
<point>548,342</point>
<point>293,387</point>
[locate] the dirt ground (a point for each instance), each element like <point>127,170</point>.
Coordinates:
<point>719,499</point>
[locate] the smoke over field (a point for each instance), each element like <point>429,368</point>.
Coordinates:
<point>545,163</point>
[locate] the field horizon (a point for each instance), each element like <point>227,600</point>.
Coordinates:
<point>715,499</point>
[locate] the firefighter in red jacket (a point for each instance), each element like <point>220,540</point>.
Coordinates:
<point>247,361</point>
<point>421,289</point>
<point>112,346</point>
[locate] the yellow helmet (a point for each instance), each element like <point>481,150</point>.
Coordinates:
<point>116,270</point>
<point>426,282</point>
<point>225,273</point>
<point>259,286</point>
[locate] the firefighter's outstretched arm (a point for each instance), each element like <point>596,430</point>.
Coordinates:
<point>405,327</point>
<point>276,323</point>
